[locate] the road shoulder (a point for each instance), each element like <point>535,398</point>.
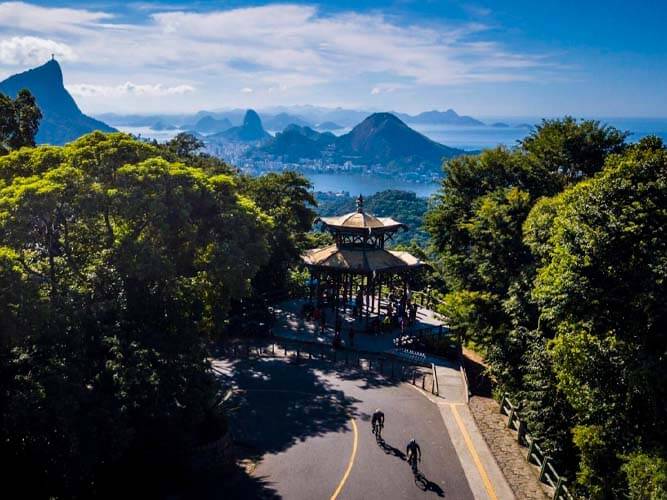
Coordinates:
<point>482,472</point>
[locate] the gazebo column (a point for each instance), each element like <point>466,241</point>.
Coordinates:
<point>334,298</point>
<point>367,298</point>
<point>380,297</point>
<point>310,286</point>
<point>373,296</point>
<point>344,288</point>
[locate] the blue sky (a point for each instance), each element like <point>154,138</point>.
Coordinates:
<point>484,58</point>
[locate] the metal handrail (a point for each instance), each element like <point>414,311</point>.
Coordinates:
<point>548,474</point>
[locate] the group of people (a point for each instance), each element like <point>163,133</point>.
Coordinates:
<point>401,311</point>
<point>316,313</point>
<point>413,452</point>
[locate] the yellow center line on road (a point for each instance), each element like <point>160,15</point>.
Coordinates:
<point>351,463</point>
<point>466,437</point>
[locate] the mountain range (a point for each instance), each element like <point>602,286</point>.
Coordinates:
<point>296,143</point>
<point>449,117</point>
<point>209,125</point>
<point>277,118</point>
<point>62,120</point>
<point>381,139</point>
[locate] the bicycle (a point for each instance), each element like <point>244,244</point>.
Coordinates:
<point>377,430</point>
<point>413,459</point>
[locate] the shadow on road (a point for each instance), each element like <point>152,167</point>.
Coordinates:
<point>372,379</point>
<point>280,403</point>
<point>376,372</point>
<point>425,485</point>
<point>277,403</point>
<point>421,480</point>
<point>389,449</point>
<point>229,482</point>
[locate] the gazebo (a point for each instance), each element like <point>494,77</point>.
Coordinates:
<point>358,261</point>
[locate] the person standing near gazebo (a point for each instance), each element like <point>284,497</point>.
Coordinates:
<point>359,303</point>
<point>323,320</point>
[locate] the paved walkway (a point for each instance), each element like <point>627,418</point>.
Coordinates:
<point>479,465</point>
<point>290,324</point>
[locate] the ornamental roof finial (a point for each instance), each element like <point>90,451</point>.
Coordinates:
<point>360,204</point>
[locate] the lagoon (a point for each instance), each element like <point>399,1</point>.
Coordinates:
<point>366,185</point>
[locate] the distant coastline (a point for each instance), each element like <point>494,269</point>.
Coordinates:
<point>469,138</point>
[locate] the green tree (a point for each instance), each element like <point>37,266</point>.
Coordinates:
<point>489,250</point>
<point>573,149</point>
<point>116,267</point>
<point>287,199</point>
<point>601,289</point>
<point>184,145</point>
<point>19,121</point>
<point>647,476</point>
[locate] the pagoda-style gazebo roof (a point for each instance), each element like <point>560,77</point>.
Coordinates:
<point>361,221</point>
<point>359,245</point>
<point>364,261</point>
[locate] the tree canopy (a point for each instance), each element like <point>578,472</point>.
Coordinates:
<point>19,121</point>
<point>554,258</point>
<point>116,266</point>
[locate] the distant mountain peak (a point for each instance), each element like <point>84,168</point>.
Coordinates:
<point>62,120</point>
<point>51,70</point>
<point>381,140</point>
<point>251,120</point>
<point>383,115</point>
<point>251,131</point>
<point>435,117</point>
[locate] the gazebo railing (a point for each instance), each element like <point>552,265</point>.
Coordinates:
<point>422,333</point>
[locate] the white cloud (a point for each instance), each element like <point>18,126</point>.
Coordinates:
<point>30,50</point>
<point>34,18</point>
<point>385,88</point>
<point>246,90</point>
<point>284,47</point>
<point>128,88</point>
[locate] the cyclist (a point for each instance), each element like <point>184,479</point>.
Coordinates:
<point>377,421</point>
<point>414,453</point>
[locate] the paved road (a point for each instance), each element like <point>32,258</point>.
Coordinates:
<point>307,429</point>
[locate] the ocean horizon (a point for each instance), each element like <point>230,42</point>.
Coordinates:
<point>474,138</point>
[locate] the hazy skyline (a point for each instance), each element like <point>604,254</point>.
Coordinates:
<point>482,58</point>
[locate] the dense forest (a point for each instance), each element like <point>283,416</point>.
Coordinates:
<point>120,261</point>
<point>118,264</point>
<point>555,258</point>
